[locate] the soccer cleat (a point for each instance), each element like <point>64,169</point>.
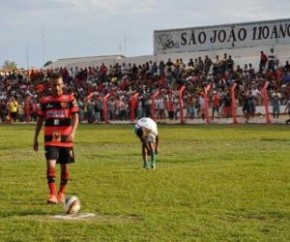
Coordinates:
<point>52,199</point>
<point>61,197</point>
<point>145,165</point>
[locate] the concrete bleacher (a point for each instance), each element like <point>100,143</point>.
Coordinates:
<point>241,56</point>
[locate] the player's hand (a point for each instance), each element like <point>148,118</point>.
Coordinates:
<point>70,138</point>
<point>156,151</point>
<point>35,146</point>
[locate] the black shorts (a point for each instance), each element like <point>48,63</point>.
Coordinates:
<point>62,155</point>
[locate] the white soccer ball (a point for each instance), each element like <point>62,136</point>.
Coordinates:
<point>71,205</point>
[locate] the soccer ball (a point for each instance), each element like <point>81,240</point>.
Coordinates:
<point>71,205</point>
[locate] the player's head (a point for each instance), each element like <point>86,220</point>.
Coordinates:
<point>140,133</point>
<point>56,83</point>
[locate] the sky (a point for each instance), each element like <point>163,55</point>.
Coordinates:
<point>36,31</point>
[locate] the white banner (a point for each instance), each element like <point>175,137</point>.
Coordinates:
<point>230,36</point>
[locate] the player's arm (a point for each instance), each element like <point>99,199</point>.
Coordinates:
<point>75,122</point>
<point>157,145</point>
<point>38,126</point>
<point>144,151</point>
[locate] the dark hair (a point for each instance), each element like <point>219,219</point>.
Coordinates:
<point>55,76</point>
<point>139,132</point>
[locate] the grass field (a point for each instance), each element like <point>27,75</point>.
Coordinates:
<point>212,183</point>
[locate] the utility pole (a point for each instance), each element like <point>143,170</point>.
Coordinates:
<point>43,45</point>
<point>27,57</point>
<point>125,40</point>
<point>120,49</point>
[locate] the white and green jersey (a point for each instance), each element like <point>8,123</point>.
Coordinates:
<point>149,125</point>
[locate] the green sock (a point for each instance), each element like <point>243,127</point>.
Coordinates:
<point>153,158</point>
<point>145,164</point>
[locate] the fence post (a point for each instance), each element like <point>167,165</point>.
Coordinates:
<point>105,107</point>
<point>133,104</point>
<point>180,102</point>
<point>152,108</point>
<point>233,104</point>
<point>206,106</point>
<point>266,100</point>
<point>27,109</point>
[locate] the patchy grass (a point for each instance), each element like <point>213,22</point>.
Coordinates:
<point>212,183</point>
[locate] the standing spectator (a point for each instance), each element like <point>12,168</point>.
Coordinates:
<point>201,105</point>
<point>97,109</point>
<point>286,67</point>
<point>175,106</point>
<point>230,64</point>
<point>90,111</point>
<point>170,107</point>
<point>190,106</point>
<point>276,103</point>
<point>200,65</point>
<point>21,111</point>
<point>258,95</point>
<point>135,72</point>
<point>287,109</point>
<point>252,72</point>
<point>111,109</point>
<point>3,111</point>
<point>160,104</point>
<point>81,109</point>
<point>147,105</point>
<point>286,77</point>
<point>142,106</point>
<point>215,104</point>
<point>263,62</point>
<point>34,108</point>
<point>207,65</point>
<point>123,106</point>
<point>271,60</point>
<point>249,105</point>
<point>227,104</point>
<point>139,109</point>
<point>103,72</point>
<point>216,66</point>
<point>169,65</point>
<point>13,108</point>
<point>161,68</point>
<point>253,102</point>
<point>190,63</point>
<point>59,111</point>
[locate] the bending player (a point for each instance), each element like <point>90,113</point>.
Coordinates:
<point>146,130</point>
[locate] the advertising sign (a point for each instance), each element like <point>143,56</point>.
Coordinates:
<point>230,36</point>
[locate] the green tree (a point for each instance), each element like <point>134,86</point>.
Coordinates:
<point>9,65</point>
<point>47,63</point>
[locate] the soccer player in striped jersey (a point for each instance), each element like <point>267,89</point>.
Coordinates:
<point>59,114</point>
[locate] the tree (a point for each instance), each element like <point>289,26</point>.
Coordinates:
<point>47,63</point>
<point>9,66</point>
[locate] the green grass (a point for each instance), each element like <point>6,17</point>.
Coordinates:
<point>212,183</point>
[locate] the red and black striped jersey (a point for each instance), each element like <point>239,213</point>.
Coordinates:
<point>57,112</point>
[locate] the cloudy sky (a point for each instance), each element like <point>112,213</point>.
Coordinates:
<point>36,31</point>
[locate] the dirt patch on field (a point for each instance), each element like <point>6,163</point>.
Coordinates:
<point>96,217</point>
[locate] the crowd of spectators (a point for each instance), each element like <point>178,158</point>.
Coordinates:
<point>20,90</point>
